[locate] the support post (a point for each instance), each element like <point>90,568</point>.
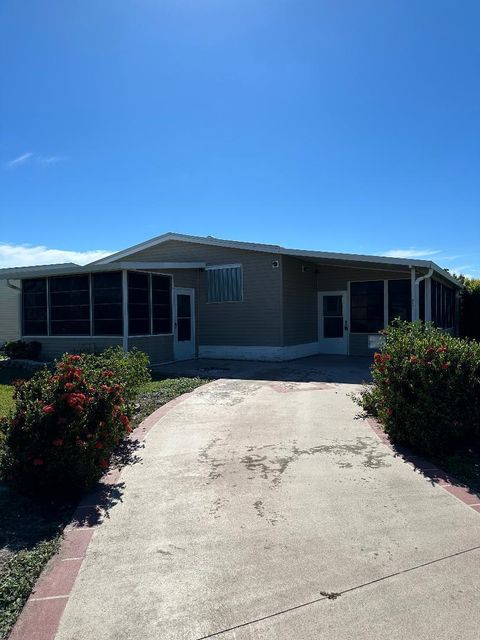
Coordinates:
<point>125,309</point>
<point>415,290</point>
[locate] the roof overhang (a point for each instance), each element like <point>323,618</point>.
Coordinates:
<point>325,257</point>
<point>118,260</point>
<point>19,273</point>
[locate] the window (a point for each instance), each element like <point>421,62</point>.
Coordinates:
<point>443,305</point>
<point>161,304</point>
<point>366,306</point>
<point>138,303</point>
<point>149,304</point>
<point>69,305</point>
<point>399,300</point>
<point>224,283</point>
<point>107,304</point>
<point>332,316</point>
<point>184,318</point>
<point>34,306</point>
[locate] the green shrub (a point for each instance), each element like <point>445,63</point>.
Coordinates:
<point>426,388</point>
<point>21,350</point>
<point>68,421</point>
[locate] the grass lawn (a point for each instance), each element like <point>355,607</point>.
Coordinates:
<point>7,375</point>
<point>29,531</point>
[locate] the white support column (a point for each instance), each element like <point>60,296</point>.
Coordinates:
<point>125,309</point>
<point>415,295</point>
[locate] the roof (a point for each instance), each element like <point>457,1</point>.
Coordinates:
<point>275,248</point>
<point>115,260</point>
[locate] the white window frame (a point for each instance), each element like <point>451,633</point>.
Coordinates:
<point>125,310</point>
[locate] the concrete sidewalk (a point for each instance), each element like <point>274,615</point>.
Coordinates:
<point>255,503</point>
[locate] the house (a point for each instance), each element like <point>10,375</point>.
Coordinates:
<point>178,297</point>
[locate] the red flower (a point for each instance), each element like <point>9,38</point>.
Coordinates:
<point>98,445</point>
<point>377,357</point>
<point>74,358</point>
<point>124,420</point>
<point>107,373</point>
<point>37,462</point>
<point>57,442</point>
<point>103,463</point>
<point>389,411</point>
<point>441,349</point>
<point>445,365</point>
<point>69,386</point>
<point>48,408</point>
<point>106,388</point>
<point>413,359</point>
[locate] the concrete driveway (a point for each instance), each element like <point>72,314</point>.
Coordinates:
<point>258,501</point>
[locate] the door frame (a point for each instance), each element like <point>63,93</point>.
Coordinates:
<point>191,292</point>
<point>346,322</point>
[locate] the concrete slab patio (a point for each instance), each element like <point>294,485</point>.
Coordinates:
<point>256,502</point>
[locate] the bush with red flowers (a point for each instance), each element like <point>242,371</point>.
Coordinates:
<point>67,422</point>
<point>426,388</point>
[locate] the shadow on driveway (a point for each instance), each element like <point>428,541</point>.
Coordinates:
<point>320,368</point>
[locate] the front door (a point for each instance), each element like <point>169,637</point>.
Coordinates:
<point>333,326</point>
<point>184,335</point>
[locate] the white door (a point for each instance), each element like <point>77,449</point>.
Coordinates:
<point>333,322</point>
<point>184,328</point>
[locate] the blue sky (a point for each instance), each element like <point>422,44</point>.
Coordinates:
<point>343,125</point>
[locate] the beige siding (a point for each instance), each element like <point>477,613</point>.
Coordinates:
<point>256,321</point>
<point>158,348</point>
<point>54,347</point>
<point>337,278</point>
<point>358,345</point>
<point>300,324</point>
<point>9,312</point>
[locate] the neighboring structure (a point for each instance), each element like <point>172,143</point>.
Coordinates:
<point>179,297</point>
<point>10,325</point>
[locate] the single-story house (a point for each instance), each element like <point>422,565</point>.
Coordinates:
<point>178,297</point>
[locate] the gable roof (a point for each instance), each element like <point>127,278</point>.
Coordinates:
<point>274,248</point>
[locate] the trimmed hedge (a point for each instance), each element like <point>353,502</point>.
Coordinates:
<point>21,350</point>
<point>67,422</point>
<point>426,388</point>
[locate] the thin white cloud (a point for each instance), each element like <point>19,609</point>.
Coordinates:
<point>34,158</point>
<point>15,255</point>
<point>47,160</point>
<point>411,253</point>
<point>20,159</point>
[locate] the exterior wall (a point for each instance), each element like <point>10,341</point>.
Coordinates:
<point>300,312</point>
<point>54,347</point>
<point>158,348</point>
<point>9,312</point>
<point>257,320</point>
<point>337,279</point>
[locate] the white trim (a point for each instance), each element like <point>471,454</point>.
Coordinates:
<point>267,354</point>
<point>340,345</point>
<point>211,267</point>
<point>162,265</point>
<point>187,291</point>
